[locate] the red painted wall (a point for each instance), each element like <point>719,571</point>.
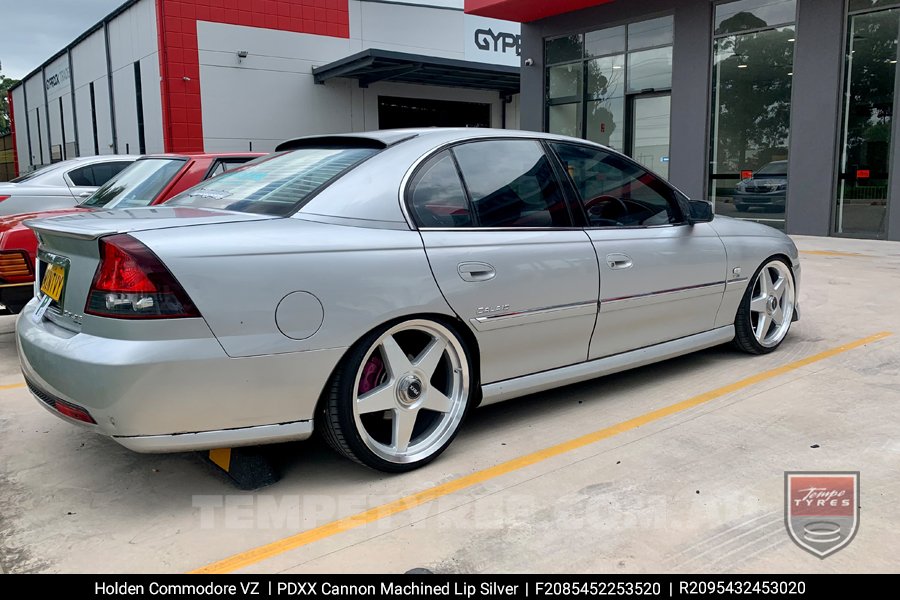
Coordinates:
<point>179,60</point>
<point>524,11</point>
<point>12,126</point>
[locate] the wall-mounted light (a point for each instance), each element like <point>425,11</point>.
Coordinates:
<point>242,54</point>
<point>742,66</point>
<point>529,62</point>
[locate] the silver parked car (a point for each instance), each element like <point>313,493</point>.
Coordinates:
<point>60,185</point>
<point>382,285</point>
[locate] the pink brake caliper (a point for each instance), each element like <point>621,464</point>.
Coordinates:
<point>372,374</point>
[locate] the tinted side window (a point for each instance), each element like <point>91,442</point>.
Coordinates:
<point>103,172</point>
<point>615,192</point>
<point>436,195</point>
<point>511,184</point>
<point>83,176</point>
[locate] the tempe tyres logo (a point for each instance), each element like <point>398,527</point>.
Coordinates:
<point>821,509</point>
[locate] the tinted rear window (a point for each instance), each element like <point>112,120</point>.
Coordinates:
<point>276,185</point>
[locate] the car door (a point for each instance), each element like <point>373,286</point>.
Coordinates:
<point>660,277</point>
<point>497,230</point>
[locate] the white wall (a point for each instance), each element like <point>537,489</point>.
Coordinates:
<point>270,95</point>
<point>34,90</point>
<point>89,65</point>
<point>132,38</point>
<point>18,96</point>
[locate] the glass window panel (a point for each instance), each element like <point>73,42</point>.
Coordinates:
<point>605,41</point>
<point>437,198</point>
<point>564,82</point>
<point>856,5</point>
<point>752,78</point>
<point>650,69</point>
<point>650,133</point>
<point>563,49</point>
<point>746,15</point>
<point>655,32</point>
<point>868,118</point>
<point>606,122</point>
<point>565,119</point>
<point>606,77</point>
<point>519,191</point>
<point>615,192</point>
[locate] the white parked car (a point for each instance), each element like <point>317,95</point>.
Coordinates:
<point>60,185</point>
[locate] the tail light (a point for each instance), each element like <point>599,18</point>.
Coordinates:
<point>2,198</point>
<point>15,266</point>
<point>132,283</point>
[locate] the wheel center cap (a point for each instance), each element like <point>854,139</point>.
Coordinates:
<point>409,390</point>
<point>771,305</point>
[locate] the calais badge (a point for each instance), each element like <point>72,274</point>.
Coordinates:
<point>821,510</point>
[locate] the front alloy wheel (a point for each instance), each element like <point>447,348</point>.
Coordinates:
<point>767,309</point>
<point>400,396</point>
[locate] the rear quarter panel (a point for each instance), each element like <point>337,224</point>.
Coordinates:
<point>237,274</point>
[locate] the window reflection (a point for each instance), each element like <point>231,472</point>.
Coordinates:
<point>752,80</point>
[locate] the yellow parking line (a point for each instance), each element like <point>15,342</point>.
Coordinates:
<point>12,386</point>
<point>255,555</point>
<point>834,253</point>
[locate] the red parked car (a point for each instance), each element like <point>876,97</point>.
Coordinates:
<point>149,180</point>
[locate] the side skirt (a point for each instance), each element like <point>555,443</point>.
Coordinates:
<point>539,382</point>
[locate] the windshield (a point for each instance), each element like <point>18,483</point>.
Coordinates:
<point>774,168</point>
<point>274,185</point>
<point>136,186</point>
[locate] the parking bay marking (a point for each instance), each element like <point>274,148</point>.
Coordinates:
<point>12,386</point>
<point>261,553</point>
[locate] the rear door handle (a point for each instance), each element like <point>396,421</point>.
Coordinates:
<point>619,261</point>
<point>85,194</point>
<point>476,271</point>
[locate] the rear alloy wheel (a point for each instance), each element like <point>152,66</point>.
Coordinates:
<point>767,309</point>
<point>400,396</point>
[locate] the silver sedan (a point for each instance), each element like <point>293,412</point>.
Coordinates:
<point>60,185</point>
<point>382,285</point>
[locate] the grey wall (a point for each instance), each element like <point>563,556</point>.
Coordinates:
<point>815,116</point>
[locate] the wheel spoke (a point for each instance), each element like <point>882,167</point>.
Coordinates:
<point>762,326</point>
<point>758,305</point>
<point>765,282</point>
<point>396,359</point>
<point>779,286</point>
<point>380,399</point>
<point>403,423</point>
<point>428,360</point>
<point>778,315</point>
<point>436,400</point>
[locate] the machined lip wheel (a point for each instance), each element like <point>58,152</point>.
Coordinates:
<point>411,391</point>
<point>772,304</point>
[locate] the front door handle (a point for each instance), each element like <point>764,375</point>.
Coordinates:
<point>619,261</point>
<point>476,271</point>
<point>85,194</point>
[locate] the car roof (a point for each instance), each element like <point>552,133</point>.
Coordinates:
<point>436,135</point>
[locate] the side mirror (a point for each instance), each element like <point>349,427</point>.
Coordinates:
<point>700,211</point>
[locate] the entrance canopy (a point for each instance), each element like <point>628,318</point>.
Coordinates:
<point>524,11</point>
<point>372,65</point>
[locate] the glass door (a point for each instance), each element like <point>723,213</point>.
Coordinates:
<point>867,124</point>
<point>651,115</point>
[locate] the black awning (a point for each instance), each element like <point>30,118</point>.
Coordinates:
<point>371,66</point>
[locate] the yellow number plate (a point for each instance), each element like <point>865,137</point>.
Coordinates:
<point>54,280</point>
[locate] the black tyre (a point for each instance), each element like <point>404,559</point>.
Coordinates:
<point>764,316</point>
<point>399,397</point>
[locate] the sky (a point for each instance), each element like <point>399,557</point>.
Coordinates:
<point>31,31</point>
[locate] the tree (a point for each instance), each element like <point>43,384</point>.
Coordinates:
<point>5,84</point>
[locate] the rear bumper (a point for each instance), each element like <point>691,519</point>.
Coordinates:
<point>171,395</point>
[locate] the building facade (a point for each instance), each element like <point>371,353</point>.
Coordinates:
<point>224,75</point>
<point>780,111</point>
